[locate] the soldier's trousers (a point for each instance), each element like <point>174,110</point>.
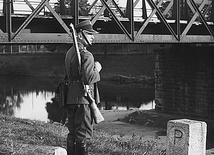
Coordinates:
<point>80,126</point>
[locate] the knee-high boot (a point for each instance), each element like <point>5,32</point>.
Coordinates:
<point>81,149</point>
<point>71,145</point>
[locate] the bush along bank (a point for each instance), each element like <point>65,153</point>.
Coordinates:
<point>119,68</point>
<point>38,65</point>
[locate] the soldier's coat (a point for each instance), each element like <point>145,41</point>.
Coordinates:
<point>89,75</point>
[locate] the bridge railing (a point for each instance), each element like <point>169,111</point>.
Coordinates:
<point>132,20</point>
<point>167,8</point>
<point>25,7</point>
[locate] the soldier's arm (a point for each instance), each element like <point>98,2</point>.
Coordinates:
<point>89,72</point>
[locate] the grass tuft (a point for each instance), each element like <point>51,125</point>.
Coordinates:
<point>22,136</point>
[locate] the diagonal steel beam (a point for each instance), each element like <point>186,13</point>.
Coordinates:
<point>103,8</point>
<point>163,19</point>
<point>117,21</point>
<point>189,25</point>
<point>118,8</point>
<point>30,6</point>
<point>168,8</point>
<point>191,7</point>
<point>207,9</point>
<point>58,18</point>
<point>146,22</point>
<point>136,2</point>
<point>202,18</point>
<point>96,17</point>
<point>204,2</point>
<point>30,17</point>
<point>92,5</point>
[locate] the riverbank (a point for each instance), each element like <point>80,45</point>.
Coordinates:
<point>120,68</point>
<point>130,132</point>
<point>22,136</point>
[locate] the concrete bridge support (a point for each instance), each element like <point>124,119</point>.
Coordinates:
<point>184,80</point>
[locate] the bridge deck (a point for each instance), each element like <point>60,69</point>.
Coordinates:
<point>51,27</point>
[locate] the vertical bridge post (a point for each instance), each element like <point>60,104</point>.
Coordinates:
<point>8,18</point>
<point>186,137</point>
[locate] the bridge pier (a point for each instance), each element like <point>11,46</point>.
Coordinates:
<point>184,81</point>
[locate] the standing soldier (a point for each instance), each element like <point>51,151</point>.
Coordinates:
<point>80,122</point>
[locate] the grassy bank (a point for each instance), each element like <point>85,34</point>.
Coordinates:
<point>24,137</point>
<point>52,65</point>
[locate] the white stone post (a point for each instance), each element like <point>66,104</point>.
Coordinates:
<point>186,137</point>
<point>60,151</point>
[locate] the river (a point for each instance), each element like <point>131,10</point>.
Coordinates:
<point>34,98</point>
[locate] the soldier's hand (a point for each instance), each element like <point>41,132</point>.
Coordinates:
<point>89,98</point>
<point>98,66</point>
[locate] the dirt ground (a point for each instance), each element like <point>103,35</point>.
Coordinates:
<point>148,124</point>
<point>115,125</point>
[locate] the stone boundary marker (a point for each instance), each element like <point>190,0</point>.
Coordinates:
<point>60,151</point>
<point>51,150</point>
<point>43,150</point>
<point>186,137</point>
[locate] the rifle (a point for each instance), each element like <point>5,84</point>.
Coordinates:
<point>97,116</point>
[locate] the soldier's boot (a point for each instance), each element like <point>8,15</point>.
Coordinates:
<point>81,149</point>
<point>71,145</point>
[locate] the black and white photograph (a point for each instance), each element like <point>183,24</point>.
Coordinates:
<point>106,77</point>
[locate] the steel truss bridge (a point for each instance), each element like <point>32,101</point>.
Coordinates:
<point>155,21</point>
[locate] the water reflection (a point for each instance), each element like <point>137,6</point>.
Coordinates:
<point>9,99</point>
<point>124,97</point>
<point>34,98</point>
<point>33,105</point>
<point>26,98</point>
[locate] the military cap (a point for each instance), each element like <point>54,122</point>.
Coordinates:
<point>86,26</point>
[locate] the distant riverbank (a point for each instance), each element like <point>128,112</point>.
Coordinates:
<point>120,68</point>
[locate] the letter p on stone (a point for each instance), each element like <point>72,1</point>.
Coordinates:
<point>186,137</point>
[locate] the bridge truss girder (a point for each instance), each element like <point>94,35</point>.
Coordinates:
<point>131,31</point>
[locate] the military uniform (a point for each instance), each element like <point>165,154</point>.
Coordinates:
<point>80,122</point>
